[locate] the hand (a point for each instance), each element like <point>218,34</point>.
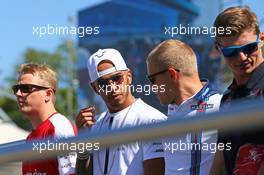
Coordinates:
<point>85,118</point>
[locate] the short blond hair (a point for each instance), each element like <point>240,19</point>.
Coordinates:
<point>176,54</point>
<point>238,19</point>
<point>45,73</point>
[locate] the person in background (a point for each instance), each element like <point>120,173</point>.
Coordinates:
<point>241,49</point>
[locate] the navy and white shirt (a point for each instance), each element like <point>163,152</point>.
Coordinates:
<point>192,153</point>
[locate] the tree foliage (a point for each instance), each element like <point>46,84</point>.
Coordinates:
<point>11,108</point>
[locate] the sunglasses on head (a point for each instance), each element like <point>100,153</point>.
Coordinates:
<point>116,79</point>
<point>152,77</point>
<point>247,49</point>
<point>27,88</point>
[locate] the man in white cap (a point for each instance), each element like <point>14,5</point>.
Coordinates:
<point>111,79</point>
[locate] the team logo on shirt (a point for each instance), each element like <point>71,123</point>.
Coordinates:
<point>202,106</point>
<point>249,159</point>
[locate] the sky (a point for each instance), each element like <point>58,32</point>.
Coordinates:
<point>19,17</point>
<point>209,9</point>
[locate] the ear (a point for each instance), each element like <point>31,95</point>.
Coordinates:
<point>216,45</point>
<point>129,76</point>
<point>49,95</point>
<point>94,88</point>
<point>261,38</point>
<point>262,35</point>
<point>174,75</point>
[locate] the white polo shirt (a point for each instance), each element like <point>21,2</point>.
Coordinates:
<point>127,159</point>
<point>192,153</point>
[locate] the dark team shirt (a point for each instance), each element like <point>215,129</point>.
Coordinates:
<point>247,152</point>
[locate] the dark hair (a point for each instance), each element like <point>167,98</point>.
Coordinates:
<point>238,19</point>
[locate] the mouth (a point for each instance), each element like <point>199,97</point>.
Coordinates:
<point>21,103</point>
<point>245,65</point>
<point>116,96</point>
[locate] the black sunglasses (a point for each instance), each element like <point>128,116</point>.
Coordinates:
<point>27,88</point>
<point>248,49</point>
<point>103,83</point>
<point>152,78</point>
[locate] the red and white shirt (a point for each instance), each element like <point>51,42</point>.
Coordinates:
<point>56,126</point>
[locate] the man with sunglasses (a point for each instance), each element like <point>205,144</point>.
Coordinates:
<point>241,50</point>
<point>111,79</point>
<point>35,93</point>
<point>173,63</point>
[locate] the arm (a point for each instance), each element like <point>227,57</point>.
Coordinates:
<point>85,118</point>
<point>154,166</point>
<point>218,163</point>
<point>84,163</point>
<point>66,163</point>
<point>63,128</point>
<point>261,169</point>
<point>84,166</point>
<point>153,158</point>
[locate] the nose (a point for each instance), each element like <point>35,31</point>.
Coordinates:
<point>114,86</point>
<point>242,56</point>
<point>18,93</point>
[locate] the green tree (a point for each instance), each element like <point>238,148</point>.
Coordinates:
<point>11,108</point>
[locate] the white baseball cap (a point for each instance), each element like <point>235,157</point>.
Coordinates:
<point>105,54</point>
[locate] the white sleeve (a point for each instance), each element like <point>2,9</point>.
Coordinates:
<point>64,129</point>
<point>152,149</point>
<point>66,163</point>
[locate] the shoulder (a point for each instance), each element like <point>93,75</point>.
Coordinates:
<point>63,127</point>
<point>215,98</point>
<point>148,113</point>
<point>227,93</point>
<point>208,93</point>
<point>100,117</point>
<point>213,102</point>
